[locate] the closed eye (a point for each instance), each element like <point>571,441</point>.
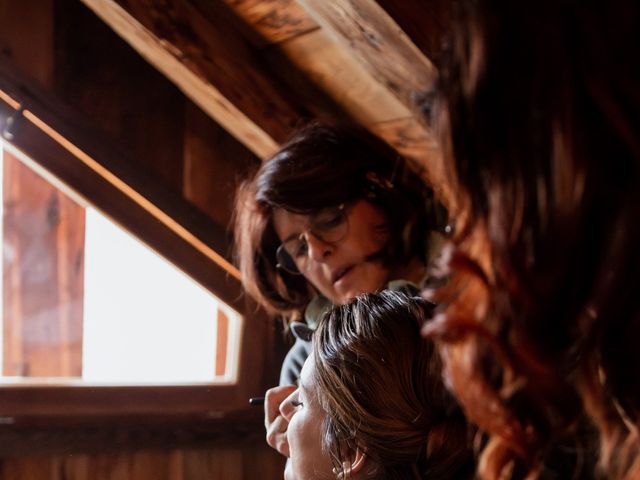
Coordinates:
<point>328,220</point>
<point>295,401</point>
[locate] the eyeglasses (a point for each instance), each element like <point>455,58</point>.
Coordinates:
<point>329,225</point>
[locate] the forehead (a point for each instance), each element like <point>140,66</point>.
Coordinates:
<point>306,382</point>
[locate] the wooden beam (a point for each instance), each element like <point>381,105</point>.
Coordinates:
<point>275,20</point>
<point>125,431</point>
<point>329,65</point>
<point>76,154</point>
<point>378,43</point>
<point>210,63</point>
<point>100,76</point>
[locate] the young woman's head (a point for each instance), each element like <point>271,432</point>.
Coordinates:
<point>544,116</point>
<point>335,211</point>
<point>371,403</point>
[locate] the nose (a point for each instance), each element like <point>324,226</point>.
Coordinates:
<point>318,248</point>
<point>286,407</point>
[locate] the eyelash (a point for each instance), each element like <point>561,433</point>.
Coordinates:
<point>296,403</point>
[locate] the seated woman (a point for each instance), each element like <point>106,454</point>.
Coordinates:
<point>371,403</point>
<point>335,213</point>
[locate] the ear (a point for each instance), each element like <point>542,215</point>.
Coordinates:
<point>358,460</point>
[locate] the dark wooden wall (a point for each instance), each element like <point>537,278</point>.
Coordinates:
<point>249,463</point>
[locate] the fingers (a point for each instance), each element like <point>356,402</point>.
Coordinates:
<point>275,424</point>
<point>277,435</point>
<point>272,400</point>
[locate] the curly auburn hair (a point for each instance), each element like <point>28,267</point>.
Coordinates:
<point>539,334</point>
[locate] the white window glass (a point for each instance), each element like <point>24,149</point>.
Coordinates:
<point>143,320</point>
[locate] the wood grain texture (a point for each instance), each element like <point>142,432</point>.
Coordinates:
<point>43,242</point>
<point>378,43</point>
<point>250,462</point>
<point>214,163</point>
<point>103,78</point>
<point>89,156</point>
<point>275,20</point>
<point>121,434</point>
<point>43,229</point>
<point>26,36</point>
<point>197,58</point>
<point>328,65</point>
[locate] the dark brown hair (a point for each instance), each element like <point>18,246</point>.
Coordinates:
<point>381,386</point>
<point>540,332</point>
<point>323,166</point>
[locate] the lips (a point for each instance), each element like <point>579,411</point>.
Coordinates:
<point>340,273</point>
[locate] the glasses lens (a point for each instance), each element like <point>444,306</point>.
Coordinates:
<point>329,225</point>
<point>285,259</point>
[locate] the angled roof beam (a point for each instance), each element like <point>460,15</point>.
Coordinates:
<point>378,43</point>
<point>216,68</point>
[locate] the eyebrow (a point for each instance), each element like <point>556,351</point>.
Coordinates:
<point>291,237</point>
<point>301,385</point>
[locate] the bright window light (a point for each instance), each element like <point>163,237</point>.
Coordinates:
<point>145,321</point>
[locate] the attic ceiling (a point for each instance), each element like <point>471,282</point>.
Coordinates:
<point>258,68</point>
<point>194,93</point>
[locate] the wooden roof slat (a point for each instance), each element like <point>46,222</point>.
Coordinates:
<point>211,64</point>
<point>78,159</point>
<point>378,43</point>
<point>329,66</point>
<point>275,20</point>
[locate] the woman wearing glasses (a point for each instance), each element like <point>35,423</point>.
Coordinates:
<point>335,213</point>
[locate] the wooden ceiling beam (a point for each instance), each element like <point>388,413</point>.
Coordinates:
<point>378,43</point>
<point>275,20</point>
<point>373,39</point>
<point>211,63</point>
<point>330,66</point>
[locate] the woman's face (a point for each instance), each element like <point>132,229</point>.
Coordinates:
<point>308,460</point>
<point>341,270</point>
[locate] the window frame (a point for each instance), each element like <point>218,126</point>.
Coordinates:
<point>74,156</point>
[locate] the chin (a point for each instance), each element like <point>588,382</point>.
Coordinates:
<point>353,293</point>
<point>287,471</point>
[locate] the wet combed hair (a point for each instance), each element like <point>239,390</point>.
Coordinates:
<point>544,110</point>
<point>381,387</point>
<point>324,166</point>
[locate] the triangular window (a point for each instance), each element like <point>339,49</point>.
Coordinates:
<point>84,299</point>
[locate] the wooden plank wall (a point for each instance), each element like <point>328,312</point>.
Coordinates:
<point>43,276</point>
<point>183,464</point>
<point>80,60</point>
